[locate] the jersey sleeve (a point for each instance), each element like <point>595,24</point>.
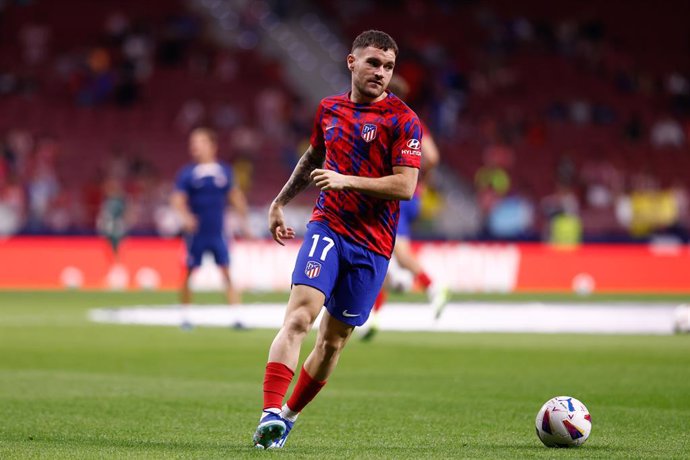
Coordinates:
<point>230,174</point>
<point>182,181</point>
<point>407,142</point>
<point>317,140</point>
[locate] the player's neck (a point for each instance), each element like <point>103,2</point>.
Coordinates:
<point>359,98</point>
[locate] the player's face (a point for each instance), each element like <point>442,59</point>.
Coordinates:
<point>372,69</point>
<point>201,146</point>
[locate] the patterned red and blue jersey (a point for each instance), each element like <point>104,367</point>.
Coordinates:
<point>364,140</point>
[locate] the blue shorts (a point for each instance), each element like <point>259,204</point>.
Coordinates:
<point>349,275</point>
<point>409,211</point>
<point>198,244</point>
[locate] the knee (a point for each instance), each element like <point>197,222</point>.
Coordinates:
<point>298,323</point>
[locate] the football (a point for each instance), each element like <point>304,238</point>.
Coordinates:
<point>563,421</point>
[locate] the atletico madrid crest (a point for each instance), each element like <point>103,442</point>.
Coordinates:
<point>369,132</point>
<point>313,269</point>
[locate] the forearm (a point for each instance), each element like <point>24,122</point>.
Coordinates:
<point>430,155</point>
<point>301,176</point>
<point>238,200</point>
<point>179,203</point>
<point>393,187</point>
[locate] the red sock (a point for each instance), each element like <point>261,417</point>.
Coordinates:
<point>380,299</point>
<point>424,280</point>
<point>276,382</point>
<point>305,390</point>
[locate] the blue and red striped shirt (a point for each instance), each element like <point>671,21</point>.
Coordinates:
<point>365,140</point>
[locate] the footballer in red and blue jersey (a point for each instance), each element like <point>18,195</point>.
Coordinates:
<point>364,156</point>
<point>364,140</point>
<point>350,236</point>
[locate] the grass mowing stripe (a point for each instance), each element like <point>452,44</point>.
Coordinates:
<point>84,390</point>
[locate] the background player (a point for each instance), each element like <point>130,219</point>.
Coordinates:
<point>409,212</point>
<point>368,142</point>
<point>202,191</point>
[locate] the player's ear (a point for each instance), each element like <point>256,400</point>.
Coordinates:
<point>351,62</point>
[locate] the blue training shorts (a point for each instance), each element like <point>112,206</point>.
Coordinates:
<point>349,275</point>
<point>198,244</point>
<point>409,211</point>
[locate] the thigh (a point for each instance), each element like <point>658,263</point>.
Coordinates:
<point>304,305</point>
<point>357,287</point>
<point>195,250</point>
<point>219,248</point>
<point>318,260</point>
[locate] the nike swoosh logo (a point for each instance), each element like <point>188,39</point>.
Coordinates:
<point>331,127</point>
<point>349,315</point>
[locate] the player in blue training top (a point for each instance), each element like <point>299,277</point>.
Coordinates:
<point>409,212</point>
<point>202,192</point>
<point>364,156</point>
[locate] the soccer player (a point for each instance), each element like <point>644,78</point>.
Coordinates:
<point>364,156</point>
<point>409,212</point>
<point>202,192</point>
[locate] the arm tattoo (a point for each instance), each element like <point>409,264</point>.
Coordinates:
<point>300,178</point>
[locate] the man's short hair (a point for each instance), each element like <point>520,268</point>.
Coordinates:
<point>377,39</point>
<point>210,133</point>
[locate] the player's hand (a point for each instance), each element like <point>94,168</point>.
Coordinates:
<point>276,224</point>
<point>190,224</point>
<point>326,179</point>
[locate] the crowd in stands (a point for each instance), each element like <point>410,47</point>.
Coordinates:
<point>552,125</point>
<point>554,112</point>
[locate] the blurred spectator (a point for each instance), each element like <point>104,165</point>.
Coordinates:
<point>678,87</point>
<point>511,218</point>
<point>111,221</point>
<point>12,205</point>
<point>35,41</point>
<point>602,182</point>
<point>43,185</point>
<point>561,212</point>
<point>225,116</point>
<point>667,132</point>
<point>98,82</point>
<point>580,112</point>
<point>116,27</point>
<point>633,130</point>
<point>137,49</point>
<point>245,141</point>
<point>493,176</point>
<point>19,146</point>
<point>652,210</point>
<point>191,114</point>
<point>226,66</point>
<point>178,32</point>
<point>566,172</point>
<point>271,110</point>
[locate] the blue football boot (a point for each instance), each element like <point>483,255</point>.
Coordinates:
<point>281,442</point>
<point>278,444</point>
<point>270,430</point>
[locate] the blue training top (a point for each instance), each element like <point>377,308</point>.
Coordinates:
<point>206,186</point>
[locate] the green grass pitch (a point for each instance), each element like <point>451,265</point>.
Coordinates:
<point>73,389</point>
